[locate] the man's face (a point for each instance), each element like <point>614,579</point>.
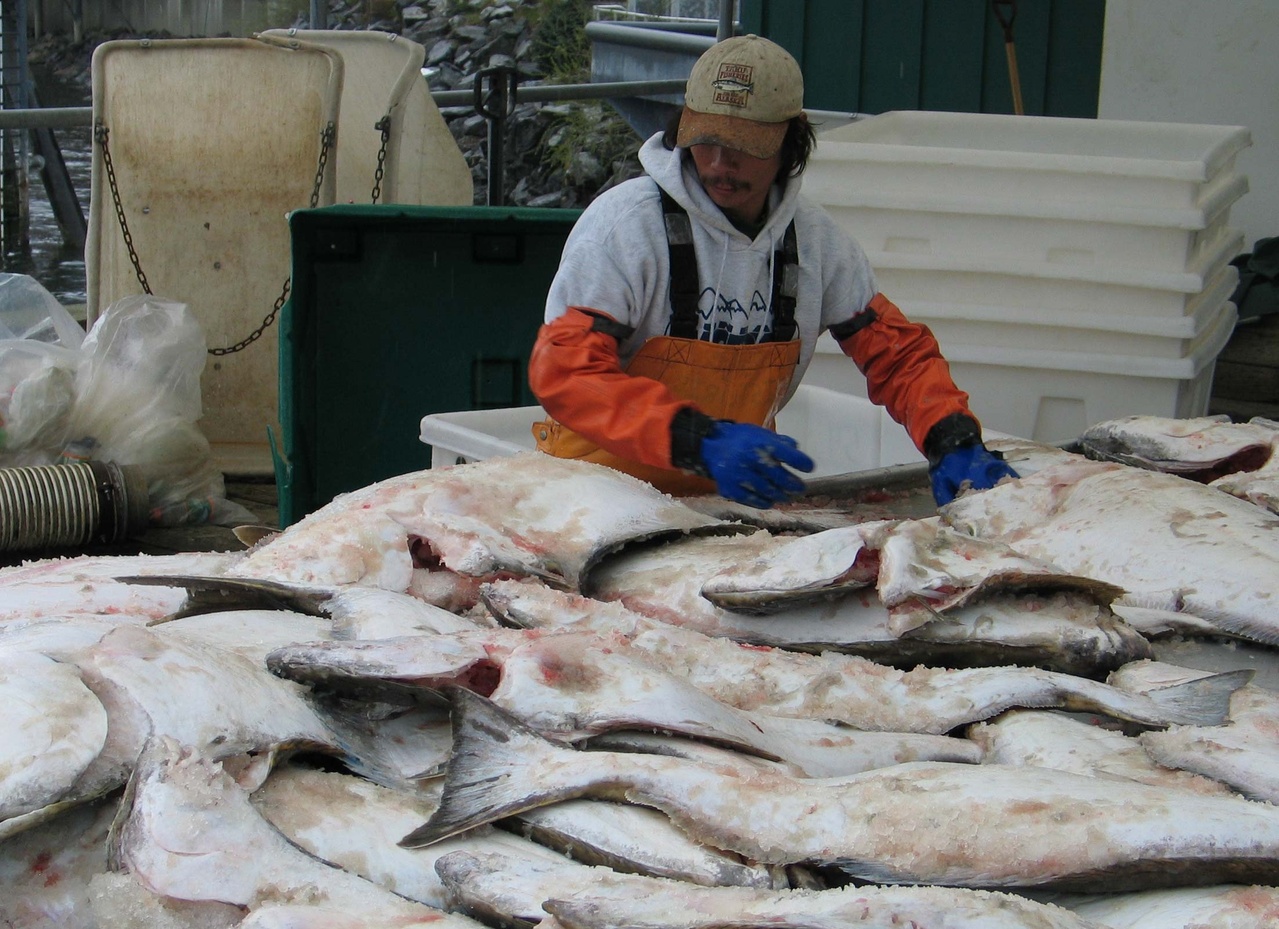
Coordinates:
<point>738,183</point>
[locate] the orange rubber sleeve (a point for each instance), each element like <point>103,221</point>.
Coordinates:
<point>576,374</point>
<point>905,371</point>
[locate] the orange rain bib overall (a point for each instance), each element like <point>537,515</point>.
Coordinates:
<point>746,383</point>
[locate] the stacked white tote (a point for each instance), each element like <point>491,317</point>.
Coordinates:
<point>1073,270</point>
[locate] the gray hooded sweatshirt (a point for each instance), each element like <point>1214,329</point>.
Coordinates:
<point>616,261</point>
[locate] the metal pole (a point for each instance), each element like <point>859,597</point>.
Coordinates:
<point>57,182</point>
<point>13,159</point>
<point>727,20</point>
<point>494,99</point>
<point>24,139</point>
<point>552,93</point>
<point>495,195</point>
<point>319,14</point>
<point>60,117</point>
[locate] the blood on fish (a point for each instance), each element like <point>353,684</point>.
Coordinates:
<point>530,544</point>
<point>864,567</point>
<point>558,673</point>
<point>42,862</point>
<point>1028,807</point>
<point>1257,900</point>
<point>552,670</point>
<point>482,678</point>
<point>1244,461</point>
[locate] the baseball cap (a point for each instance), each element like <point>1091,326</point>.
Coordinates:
<point>741,94</point>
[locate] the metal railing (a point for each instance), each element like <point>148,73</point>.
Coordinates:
<point>66,117</point>
<point>54,117</point>
<point>495,94</point>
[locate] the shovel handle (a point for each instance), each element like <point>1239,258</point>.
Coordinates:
<point>1006,14</point>
<point>1014,78</point>
<point>1002,7</point>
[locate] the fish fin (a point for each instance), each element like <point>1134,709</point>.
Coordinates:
<point>872,872</point>
<point>1246,628</point>
<point>585,913</point>
<point>493,771</point>
<point>249,536</point>
<point>572,914</point>
<point>768,603</point>
<point>32,818</point>
<point>426,774</point>
<point>911,614</point>
<point>155,749</point>
<point>217,593</point>
<point>1204,701</point>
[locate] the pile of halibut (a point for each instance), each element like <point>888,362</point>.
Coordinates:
<point>529,691</point>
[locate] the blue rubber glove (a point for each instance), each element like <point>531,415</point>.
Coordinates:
<point>972,464</point>
<point>745,461</point>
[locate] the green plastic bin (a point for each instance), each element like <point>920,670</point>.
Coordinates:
<point>397,312</point>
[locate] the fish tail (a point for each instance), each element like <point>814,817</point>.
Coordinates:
<point>1201,702</point>
<point>497,769</point>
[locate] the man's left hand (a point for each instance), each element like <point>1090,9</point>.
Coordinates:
<point>973,466</point>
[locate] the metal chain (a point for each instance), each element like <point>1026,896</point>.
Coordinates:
<point>100,134</point>
<point>326,142</point>
<point>383,125</point>
<point>256,333</point>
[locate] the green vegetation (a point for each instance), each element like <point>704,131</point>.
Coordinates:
<point>560,47</point>
<point>590,128</point>
<point>586,137</point>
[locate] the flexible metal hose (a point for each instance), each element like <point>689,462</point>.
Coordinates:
<point>67,505</point>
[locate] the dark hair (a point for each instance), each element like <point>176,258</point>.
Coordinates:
<point>797,146</point>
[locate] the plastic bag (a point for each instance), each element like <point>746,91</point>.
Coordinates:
<point>137,403</point>
<point>28,311</point>
<point>127,392</point>
<point>39,353</point>
<point>37,391</point>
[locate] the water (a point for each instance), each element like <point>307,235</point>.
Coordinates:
<point>57,266</point>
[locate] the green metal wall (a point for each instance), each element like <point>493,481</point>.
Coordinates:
<point>870,56</point>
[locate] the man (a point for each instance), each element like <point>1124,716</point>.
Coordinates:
<point>687,304</point>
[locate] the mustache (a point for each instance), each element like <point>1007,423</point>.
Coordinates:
<point>718,180</point>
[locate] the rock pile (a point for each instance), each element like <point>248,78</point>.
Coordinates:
<point>463,37</point>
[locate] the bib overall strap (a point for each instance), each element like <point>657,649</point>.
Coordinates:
<point>785,286</point>
<point>686,289</point>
